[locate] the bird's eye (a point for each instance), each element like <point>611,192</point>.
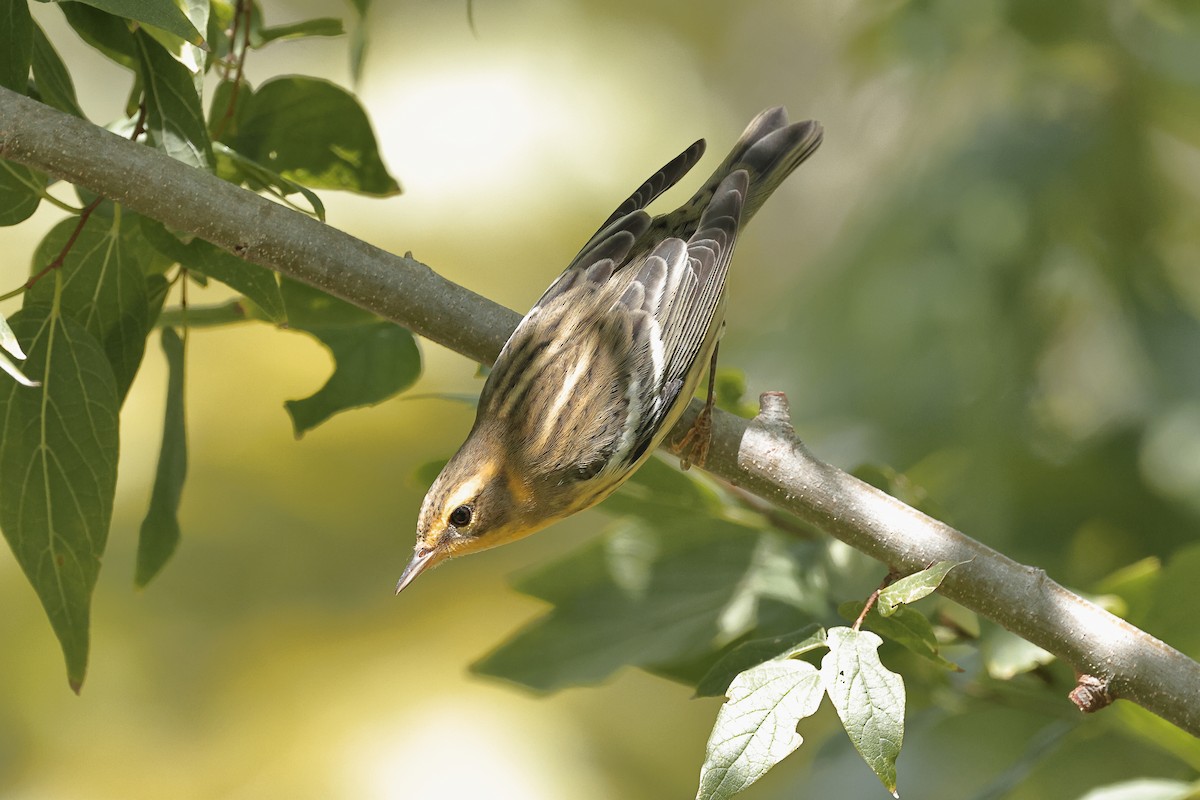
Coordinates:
<point>461,517</point>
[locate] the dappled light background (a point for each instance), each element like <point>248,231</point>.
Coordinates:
<point>987,278</point>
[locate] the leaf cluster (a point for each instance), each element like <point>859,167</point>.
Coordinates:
<point>100,279</point>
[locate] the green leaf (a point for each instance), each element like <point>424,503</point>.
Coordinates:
<point>639,595</point>
<point>16,45</point>
<point>373,359</point>
<point>757,651</point>
<point>58,471</point>
<point>162,14</point>
<point>108,34</point>
<point>1172,612</point>
<point>50,74</point>
<point>159,534</point>
<point>907,627</point>
<point>321,26</point>
<point>868,698</point>
<point>224,118</point>
<point>314,133</point>
<point>756,728</point>
<point>19,195</point>
<point>729,393</point>
<point>233,167</point>
<point>913,587</point>
<point>190,54</point>
<point>259,284</point>
<point>103,288</point>
<point>174,118</point>
<point>358,40</point>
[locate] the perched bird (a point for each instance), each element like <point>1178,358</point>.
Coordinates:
<point>602,367</point>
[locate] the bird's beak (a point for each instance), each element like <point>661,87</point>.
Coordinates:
<point>424,558</point>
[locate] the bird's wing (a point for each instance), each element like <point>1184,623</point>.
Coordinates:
<point>672,304</point>
<point>616,237</point>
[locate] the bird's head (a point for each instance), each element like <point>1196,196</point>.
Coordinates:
<point>476,503</point>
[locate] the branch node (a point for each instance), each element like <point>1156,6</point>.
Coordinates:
<point>773,409</point>
<point>1091,694</point>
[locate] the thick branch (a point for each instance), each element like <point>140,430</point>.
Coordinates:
<point>762,456</point>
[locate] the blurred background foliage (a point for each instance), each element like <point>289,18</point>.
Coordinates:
<point>986,280</point>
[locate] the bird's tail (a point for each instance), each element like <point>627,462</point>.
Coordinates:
<point>769,149</point>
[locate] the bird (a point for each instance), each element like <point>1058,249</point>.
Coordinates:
<point>598,372</point>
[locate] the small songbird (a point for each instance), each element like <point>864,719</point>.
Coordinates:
<point>602,367</point>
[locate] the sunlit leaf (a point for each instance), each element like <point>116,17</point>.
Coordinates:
<point>103,288</point>
<point>912,588</point>
<point>315,133</point>
<point>164,14</point>
<point>54,84</point>
<point>757,651</point>
<point>16,44</point>
<point>1145,789</point>
<point>159,535</point>
<point>868,698</point>
<point>58,471</point>
<point>756,727</point>
<point>190,54</point>
<point>1006,654</point>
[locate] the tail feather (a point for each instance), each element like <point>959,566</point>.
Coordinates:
<point>769,150</point>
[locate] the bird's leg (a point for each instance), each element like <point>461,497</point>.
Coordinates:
<point>693,448</point>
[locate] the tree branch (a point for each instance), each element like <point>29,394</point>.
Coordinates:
<point>762,456</point>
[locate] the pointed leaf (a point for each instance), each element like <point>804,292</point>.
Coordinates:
<point>159,13</point>
<point>103,288</point>
<point>868,698</point>
<point>16,45</point>
<point>108,34</point>
<point>913,587</point>
<point>315,133</point>
<point>19,195</point>
<point>174,117</point>
<point>53,81</point>
<point>756,728</point>
<point>747,654</point>
<point>192,55</point>
<point>159,534</point>
<point>58,471</point>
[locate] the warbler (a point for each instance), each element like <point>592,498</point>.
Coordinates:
<point>601,368</point>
